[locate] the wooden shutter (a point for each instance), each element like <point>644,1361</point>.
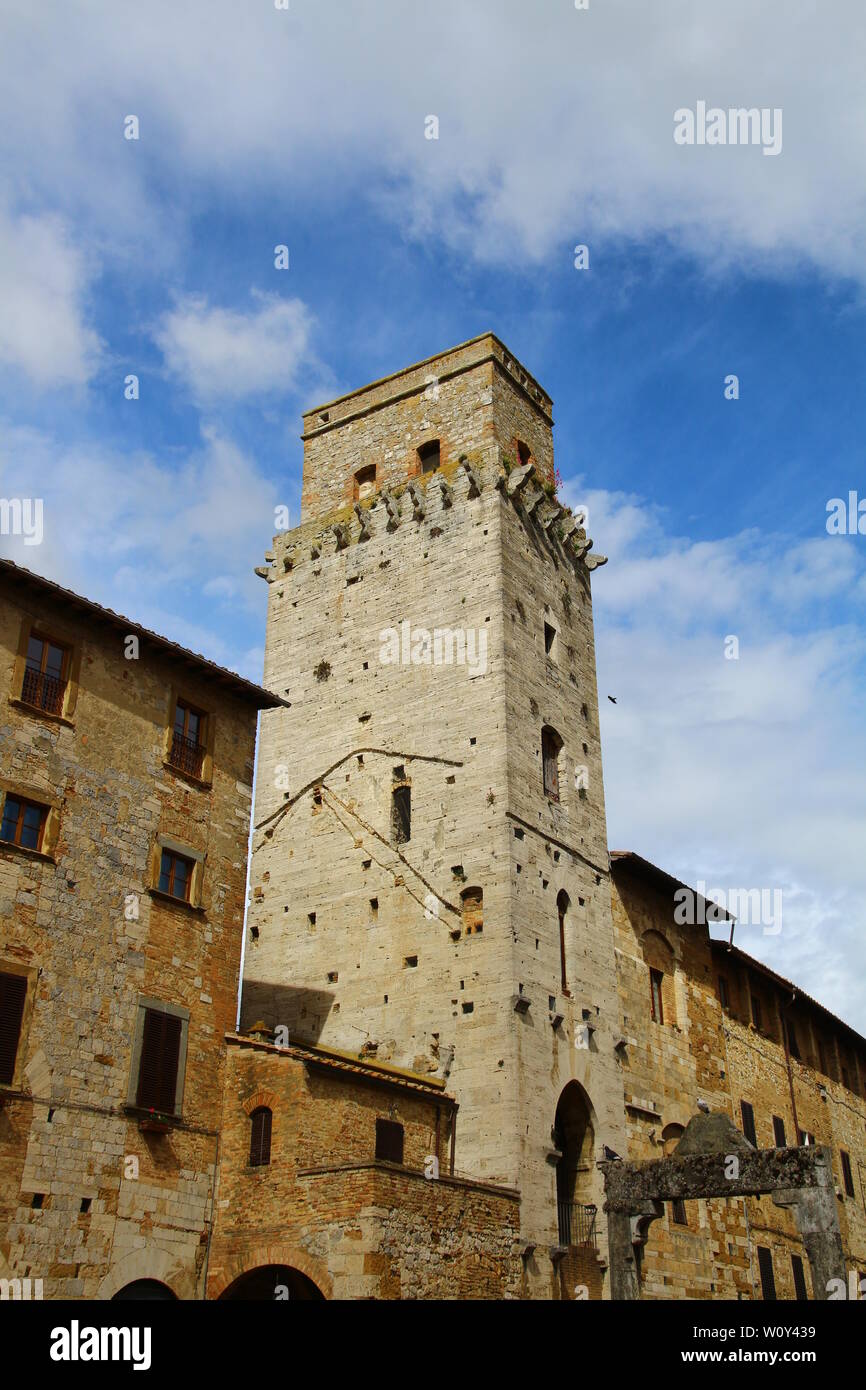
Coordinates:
<point>748,1115</point>
<point>768,1281</point>
<point>799,1279</point>
<point>157,1068</point>
<point>13,992</point>
<point>779,1132</point>
<point>260,1137</point>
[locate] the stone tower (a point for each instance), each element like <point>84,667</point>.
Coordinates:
<point>430,873</point>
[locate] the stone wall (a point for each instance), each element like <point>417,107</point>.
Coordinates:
<point>92,938</point>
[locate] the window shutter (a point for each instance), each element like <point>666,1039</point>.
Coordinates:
<point>748,1115</point>
<point>157,1068</point>
<point>13,992</point>
<point>260,1137</point>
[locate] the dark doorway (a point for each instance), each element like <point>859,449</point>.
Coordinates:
<point>147,1290</point>
<point>574,1172</point>
<point>271,1283</point>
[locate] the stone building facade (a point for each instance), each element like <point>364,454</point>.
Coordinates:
<point>122,887</point>
<point>351,1194</point>
<point>704,1021</point>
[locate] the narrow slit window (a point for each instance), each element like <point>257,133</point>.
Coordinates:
<point>401,815</point>
<point>765,1266</point>
<point>549,639</point>
<point>656,1004</point>
<point>472,903</point>
<point>779,1132</point>
<point>562,906</point>
<point>748,1116</point>
<point>551,745</point>
<point>847,1175</point>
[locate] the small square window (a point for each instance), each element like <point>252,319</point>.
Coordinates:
<point>389,1141</point>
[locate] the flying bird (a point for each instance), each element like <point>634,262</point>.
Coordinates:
<point>612,699</point>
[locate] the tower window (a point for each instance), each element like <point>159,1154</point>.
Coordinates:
<point>472,901</point>
<point>365,482</point>
<point>389,1141</point>
<point>524,453</point>
<point>549,639</point>
<point>428,456</point>
<point>756,1011</point>
<point>656,1007</point>
<point>847,1175</point>
<point>724,997</point>
<point>779,1132</point>
<point>793,1045</point>
<point>551,744</point>
<point>562,906</point>
<point>260,1137</point>
<point>401,815</point>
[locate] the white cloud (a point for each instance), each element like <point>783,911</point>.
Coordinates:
<point>44,282</point>
<point>224,354</point>
<point>744,773</point>
<point>556,125</point>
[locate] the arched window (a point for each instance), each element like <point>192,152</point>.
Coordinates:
<point>524,453</point>
<point>260,1137</point>
<point>472,900</point>
<point>551,745</point>
<point>365,481</point>
<point>428,456</point>
<point>562,906</point>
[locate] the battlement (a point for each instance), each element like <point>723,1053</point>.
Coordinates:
<point>422,419</point>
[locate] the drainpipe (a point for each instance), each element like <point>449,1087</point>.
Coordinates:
<point>788,1066</point>
<point>453,1137</point>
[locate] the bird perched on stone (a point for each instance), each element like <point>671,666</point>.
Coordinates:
<point>702,1105</point>
<point>610,1155</point>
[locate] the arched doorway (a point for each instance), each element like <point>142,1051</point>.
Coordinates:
<point>272,1282</point>
<point>575,1138</point>
<point>148,1290</point>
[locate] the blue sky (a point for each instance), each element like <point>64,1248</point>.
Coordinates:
<point>306,127</point>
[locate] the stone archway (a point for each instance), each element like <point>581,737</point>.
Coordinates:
<point>575,1176</point>
<point>144,1290</point>
<point>152,1264</point>
<point>224,1274</point>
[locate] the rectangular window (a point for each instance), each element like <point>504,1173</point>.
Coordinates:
<point>756,1011</point>
<point>847,1175</point>
<point>428,456</point>
<point>748,1115</point>
<point>806,1139</point>
<point>401,815</point>
<point>551,744</point>
<point>159,1062</point>
<point>768,1282</point>
<point>793,1045</point>
<point>549,639</point>
<point>389,1141</point>
<point>656,1008</point>
<point>678,1212</point>
<point>13,992</point>
<point>23,822</point>
<point>724,998</point>
<point>779,1132</point>
<point>175,875</point>
<point>799,1279</point>
<point>188,739</point>
<point>46,668</point>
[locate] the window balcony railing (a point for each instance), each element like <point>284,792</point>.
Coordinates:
<point>577,1224</point>
<point>43,691</point>
<point>186,754</point>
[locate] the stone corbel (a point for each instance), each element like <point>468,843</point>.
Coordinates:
<point>340,536</point>
<point>468,471</point>
<point>518,478</point>
<point>363,522</point>
<point>445,490</point>
<point>417,497</point>
<point>393,510</point>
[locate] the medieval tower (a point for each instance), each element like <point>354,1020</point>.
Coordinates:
<point>430,872</point>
